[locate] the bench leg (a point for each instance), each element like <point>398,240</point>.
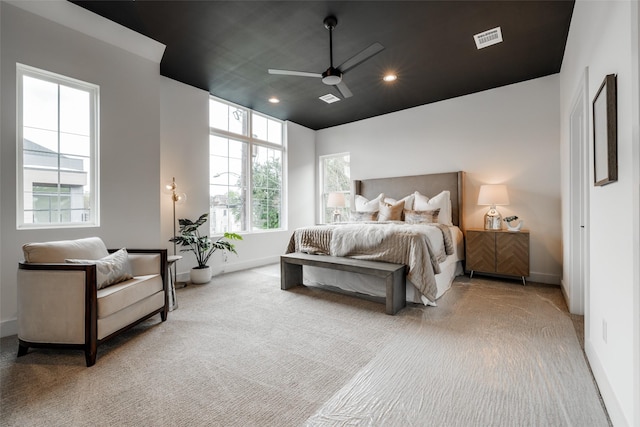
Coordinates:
<point>396,292</point>
<point>290,275</point>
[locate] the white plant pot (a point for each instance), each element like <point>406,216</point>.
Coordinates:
<point>200,275</point>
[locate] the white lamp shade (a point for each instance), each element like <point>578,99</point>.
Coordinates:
<point>335,200</point>
<point>493,195</point>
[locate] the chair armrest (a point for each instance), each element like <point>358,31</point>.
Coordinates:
<point>148,261</point>
<point>53,301</point>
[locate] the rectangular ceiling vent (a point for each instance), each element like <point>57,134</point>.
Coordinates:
<point>488,38</point>
<point>329,98</point>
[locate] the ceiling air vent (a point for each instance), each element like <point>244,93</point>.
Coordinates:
<point>488,38</point>
<point>329,98</point>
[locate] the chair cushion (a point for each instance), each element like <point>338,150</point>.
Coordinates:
<point>88,248</point>
<point>116,297</point>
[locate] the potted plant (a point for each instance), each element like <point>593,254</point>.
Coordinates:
<point>202,246</point>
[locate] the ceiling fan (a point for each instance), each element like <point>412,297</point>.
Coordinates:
<point>333,76</point>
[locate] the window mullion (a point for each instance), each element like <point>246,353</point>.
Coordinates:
<point>59,173</point>
<point>249,179</point>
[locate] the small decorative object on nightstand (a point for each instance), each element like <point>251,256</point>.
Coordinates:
<point>493,195</point>
<point>512,225</point>
<point>498,252</point>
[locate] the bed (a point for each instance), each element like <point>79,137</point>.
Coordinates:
<point>433,253</point>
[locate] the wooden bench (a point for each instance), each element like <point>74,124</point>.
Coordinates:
<point>393,274</point>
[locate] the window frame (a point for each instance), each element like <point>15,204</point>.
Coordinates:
<point>23,70</point>
<point>252,142</point>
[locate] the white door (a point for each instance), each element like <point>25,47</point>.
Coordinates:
<point>579,200</point>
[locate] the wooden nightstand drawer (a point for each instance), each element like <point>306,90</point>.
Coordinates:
<point>498,252</point>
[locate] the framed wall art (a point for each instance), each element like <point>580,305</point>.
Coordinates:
<point>605,133</point>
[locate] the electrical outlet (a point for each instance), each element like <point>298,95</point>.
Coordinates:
<point>604,330</point>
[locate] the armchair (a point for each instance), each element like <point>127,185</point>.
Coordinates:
<point>61,304</point>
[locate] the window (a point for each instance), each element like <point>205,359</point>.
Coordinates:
<point>57,150</point>
<point>246,152</point>
<point>335,190</point>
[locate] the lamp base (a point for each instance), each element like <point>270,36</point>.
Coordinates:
<point>493,220</point>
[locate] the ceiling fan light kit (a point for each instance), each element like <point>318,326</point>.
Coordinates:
<point>333,76</point>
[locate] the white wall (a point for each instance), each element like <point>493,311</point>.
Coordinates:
<point>129,135</point>
<point>302,175</point>
<point>185,156</point>
<point>507,135</point>
<point>614,211</point>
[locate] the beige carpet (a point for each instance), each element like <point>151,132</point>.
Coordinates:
<point>241,352</point>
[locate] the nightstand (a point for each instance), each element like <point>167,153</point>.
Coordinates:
<point>498,252</point>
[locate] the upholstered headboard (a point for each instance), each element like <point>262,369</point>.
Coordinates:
<point>429,185</point>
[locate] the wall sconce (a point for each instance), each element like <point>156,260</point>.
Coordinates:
<point>493,195</point>
<point>336,201</point>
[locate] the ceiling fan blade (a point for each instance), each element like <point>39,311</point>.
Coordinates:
<point>294,73</point>
<point>344,90</point>
<point>361,57</point>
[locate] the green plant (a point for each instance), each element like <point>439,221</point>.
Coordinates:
<point>202,246</point>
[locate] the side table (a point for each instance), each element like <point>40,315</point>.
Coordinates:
<point>171,261</point>
<point>499,252</point>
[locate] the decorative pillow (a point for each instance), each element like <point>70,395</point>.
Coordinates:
<point>389,212</point>
<point>365,205</point>
<point>408,201</point>
<point>89,247</point>
<point>441,201</point>
<point>421,217</point>
<point>112,269</point>
<point>364,216</point>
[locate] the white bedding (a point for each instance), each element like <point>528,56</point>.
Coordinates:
<point>368,285</point>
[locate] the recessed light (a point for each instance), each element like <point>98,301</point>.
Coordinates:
<point>274,100</point>
<point>390,78</point>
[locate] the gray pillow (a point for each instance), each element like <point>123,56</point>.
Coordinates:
<point>112,269</point>
<point>364,216</point>
<point>429,216</point>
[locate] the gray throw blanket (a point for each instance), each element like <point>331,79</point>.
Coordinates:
<point>420,247</point>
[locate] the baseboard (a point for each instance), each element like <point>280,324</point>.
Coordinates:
<point>564,291</point>
<point>8,328</point>
<point>236,266</point>
<point>616,415</point>
<point>549,279</point>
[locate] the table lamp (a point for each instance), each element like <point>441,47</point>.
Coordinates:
<point>336,201</point>
<point>493,195</point>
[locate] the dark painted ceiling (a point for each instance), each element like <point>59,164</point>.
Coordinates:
<point>226,48</point>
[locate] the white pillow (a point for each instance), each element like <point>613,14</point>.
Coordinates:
<point>111,269</point>
<point>408,201</point>
<point>365,205</point>
<point>441,201</point>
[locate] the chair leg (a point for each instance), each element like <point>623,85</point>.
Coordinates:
<point>22,349</point>
<point>90,357</point>
<point>163,314</point>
